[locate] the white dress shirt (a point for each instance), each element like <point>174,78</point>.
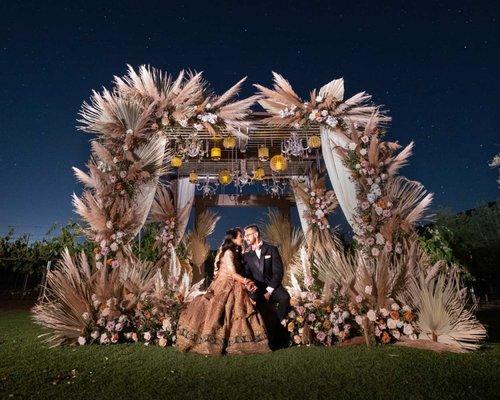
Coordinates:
<point>257,250</point>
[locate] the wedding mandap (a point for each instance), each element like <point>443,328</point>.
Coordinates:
<point>163,145</point>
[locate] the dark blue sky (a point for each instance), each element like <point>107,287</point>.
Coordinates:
<point>433,65</point>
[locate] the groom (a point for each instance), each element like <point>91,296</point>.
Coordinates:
<point>263,265</point>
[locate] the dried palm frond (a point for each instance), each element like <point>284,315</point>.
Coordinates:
<point>197,244</point>
<point>67,300</point>
<point>279,231</point>
<point>411,199</point>
<point>442,312</point>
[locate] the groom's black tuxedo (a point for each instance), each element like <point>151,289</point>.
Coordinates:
<point>267,272</point>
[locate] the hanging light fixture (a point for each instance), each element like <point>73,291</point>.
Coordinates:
<point>275,187</point>
<point>229,142</point>
<point>259,174</point>
<point>193,176</point>
<point>314,142</point>
<point>263,153</point>
<point>215,153</point>
<point>176,161</point>
<point>207,188</point>
<point>225,177</point>
<point>278,163</point>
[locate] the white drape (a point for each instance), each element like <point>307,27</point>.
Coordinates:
<point>339,174</point>
<point>185,198</point>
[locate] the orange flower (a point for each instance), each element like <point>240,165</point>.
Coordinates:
<point>327,324</point>
<point>317,303</point>
<point>408,316</point>
<point>385,337</point>
<point>294,302</point>
<point>291,327</point>
<point>328,309</point>
<point>394,314</point>
<point>382,202</point>
<point>109,261</point>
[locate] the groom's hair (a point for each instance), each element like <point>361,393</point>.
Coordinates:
<point>254,227</point>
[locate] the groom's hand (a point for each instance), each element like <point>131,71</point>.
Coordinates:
<point>267,296</point>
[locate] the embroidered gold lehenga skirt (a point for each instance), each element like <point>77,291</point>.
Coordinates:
<point>223,319</point>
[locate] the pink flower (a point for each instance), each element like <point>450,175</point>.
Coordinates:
<point>300,310</point>
<point>365,205</point>
<point>375,251</point>
<point>370,241</point>
<point>115,264</point>
<point>321,336</point>
<point>388,246</point>
<point>311,317</point>
<point>359,298</point>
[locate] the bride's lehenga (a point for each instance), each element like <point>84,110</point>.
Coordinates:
<point>223,319</point>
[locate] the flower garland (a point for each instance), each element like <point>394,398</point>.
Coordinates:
<point>166,239</point>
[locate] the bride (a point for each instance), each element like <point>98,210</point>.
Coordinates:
<point>224,318</point>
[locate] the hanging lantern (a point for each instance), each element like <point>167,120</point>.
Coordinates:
<point>263,153</point>
<point>176,161</point>
<point>278,163</point>
<point>229,142</point>
<point>215,153</point>
<point>225,177</point>
<point>193,177</point>
<point>259,174</point>
<point>314,142</point>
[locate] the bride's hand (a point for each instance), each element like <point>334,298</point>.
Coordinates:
<point>251,287</point>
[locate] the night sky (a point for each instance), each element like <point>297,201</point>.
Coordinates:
<point>435,66</point>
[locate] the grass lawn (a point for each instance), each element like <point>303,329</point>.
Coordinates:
<point>28,369</point>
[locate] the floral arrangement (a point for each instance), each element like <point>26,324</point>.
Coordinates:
<point>388,206</point>
<point>326,107</point>
<point>152,321</point>
<point>167,235</point>
<point>385,325</point>
<point>320,202</point>
<point>313,321</point>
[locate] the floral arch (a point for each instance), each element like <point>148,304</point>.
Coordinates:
<point>151,126</point>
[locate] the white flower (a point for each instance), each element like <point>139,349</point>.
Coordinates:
<point>384,312</point>
<point>359,298</point>
<point>406,308</point>
<point>85,316</point>
<point>319,214</point>
<point>372,316</point>
<point>114,246</point>
<point>81,340</point>
<point>208,106</point>
<point>352,146</point>
<point>365,139</point>
<point>94,335</point>
<point>109,225</point>
<point>104,338</point>
<point>167,324</point>
<point>312,115</point>
<point>395,306</point>
<point>379,238</point>
<point>324,113</point>
<point>147,336</point>
<point>345,314</point>
<point>359,320</point>
<point>129,131</point>
<point>123,174</point>
<point>336,330</point>
<point>198,126</point>
<point>391,324</point>
<point>396,334</point>
<point>98,265</point>
<point>363,152</point>
<point>119,234</point>
<point>319,98</point>
<point>368,289</point>
<point>332,121</point>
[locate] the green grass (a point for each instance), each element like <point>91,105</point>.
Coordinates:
<point>28,369</point>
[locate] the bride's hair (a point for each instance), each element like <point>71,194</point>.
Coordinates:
<point>227,244</point>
